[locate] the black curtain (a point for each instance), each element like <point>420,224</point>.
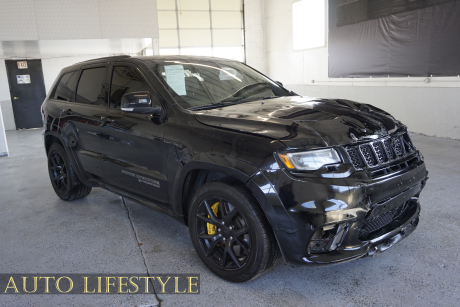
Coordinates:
<point>394,38</point>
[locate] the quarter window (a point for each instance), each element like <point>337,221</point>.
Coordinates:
<point>91,87</point>
<point>65,90</point>
<point>125,80</point>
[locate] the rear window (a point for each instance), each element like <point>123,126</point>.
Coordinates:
<point>91,87</point>
<point>65,89</point>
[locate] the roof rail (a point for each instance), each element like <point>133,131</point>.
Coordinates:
<point>115,57</point>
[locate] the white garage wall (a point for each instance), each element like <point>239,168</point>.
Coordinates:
<point>3,142</point>
<point>83,19</point>
<point>429,108</point>
<point>254,22</point>
<point>5,99</point>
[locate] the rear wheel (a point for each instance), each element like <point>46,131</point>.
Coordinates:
<point>64,180</point>
<point>230,232</point>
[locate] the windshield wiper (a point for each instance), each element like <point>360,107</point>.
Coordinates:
<point>231,99</point>
<point>270,97</point>
<point>218,104</point>
<point>209,106</point>
<point>237,99</point>
<point>235,94</point>
<point>230,102</point>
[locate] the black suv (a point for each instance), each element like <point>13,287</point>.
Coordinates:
<point>256,172</point>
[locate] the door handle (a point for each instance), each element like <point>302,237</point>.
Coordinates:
<point>107,119</point>
<point>68,111</point>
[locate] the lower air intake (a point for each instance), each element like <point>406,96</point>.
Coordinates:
<point>375,226</point>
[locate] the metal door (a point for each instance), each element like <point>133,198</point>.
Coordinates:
<point>27,90</point>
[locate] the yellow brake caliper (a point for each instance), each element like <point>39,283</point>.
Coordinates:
<point>211,227</point>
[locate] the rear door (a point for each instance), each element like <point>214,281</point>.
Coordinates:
<point>27,90</point>
<point>63,92</point>
<point>132,144</point>
<point>81,119</point>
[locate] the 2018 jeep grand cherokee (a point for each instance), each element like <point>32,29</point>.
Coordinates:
<point>254,170</point>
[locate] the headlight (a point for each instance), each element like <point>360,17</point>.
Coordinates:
<point>310,160</point>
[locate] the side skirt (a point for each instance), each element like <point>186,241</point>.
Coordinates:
<point>163,208</point>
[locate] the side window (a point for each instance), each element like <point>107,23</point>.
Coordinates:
<point>65,90</point>
<point>91,87</point>
<point>125,80</point>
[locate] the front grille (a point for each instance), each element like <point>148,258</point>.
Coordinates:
<point>380,152</point>
<point>388,144</point>
<point>355,157</point>
<point>398,146</point>
<point>368,155</point>
<point>376,226</point>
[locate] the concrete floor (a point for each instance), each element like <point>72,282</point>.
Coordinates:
<point>42,234</point>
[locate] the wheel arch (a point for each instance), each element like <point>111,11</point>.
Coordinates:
<point>198,172</point>
<point>50,138</point>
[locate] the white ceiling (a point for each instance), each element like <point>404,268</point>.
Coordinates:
<point>57,48</point>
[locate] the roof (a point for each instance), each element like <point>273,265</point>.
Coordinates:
<point>154,58</point>
<point>151,59</point>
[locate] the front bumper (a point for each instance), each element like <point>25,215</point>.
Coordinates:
<point>301,206</point>
<point>372,247</point>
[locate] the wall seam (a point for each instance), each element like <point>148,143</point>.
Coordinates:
<point>36,21</point>
<point>100,20</point>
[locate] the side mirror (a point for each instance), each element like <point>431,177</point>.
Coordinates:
<point>279,83</point>
<point>139,102</point>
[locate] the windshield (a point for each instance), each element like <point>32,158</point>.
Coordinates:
<point>194,83</point>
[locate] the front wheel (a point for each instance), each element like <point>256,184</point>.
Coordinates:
<point>230,232</point>
<point>63,178</point>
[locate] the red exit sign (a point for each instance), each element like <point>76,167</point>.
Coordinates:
<point>22,65</point>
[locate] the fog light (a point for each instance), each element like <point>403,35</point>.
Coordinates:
<point>326,239</point>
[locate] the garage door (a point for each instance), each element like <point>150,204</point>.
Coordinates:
<point>201,27</point>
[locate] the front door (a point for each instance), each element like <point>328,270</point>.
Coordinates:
<point>132,144</point>
<point>27,90</point>
<point>81,119</point>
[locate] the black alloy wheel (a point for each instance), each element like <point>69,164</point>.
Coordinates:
<point>63,178</point>
<point>225,235</point>
<point>230,232</point>
<point>58,172</point>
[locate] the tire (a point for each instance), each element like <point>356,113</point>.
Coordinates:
<point>237,245</point>
<point>63,178</point>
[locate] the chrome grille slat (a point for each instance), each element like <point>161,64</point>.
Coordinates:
<point>355,157</point>
<point>380,152</point>
<point>368,154</point>
<point>398,146</point>
<point>388,145</point>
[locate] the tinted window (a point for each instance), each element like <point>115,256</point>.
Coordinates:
<point>91,86</point>
<point>125,80</point>
<point>65,89</point>
<point>205,82</point>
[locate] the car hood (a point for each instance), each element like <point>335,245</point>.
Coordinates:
<point>304,122</point>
